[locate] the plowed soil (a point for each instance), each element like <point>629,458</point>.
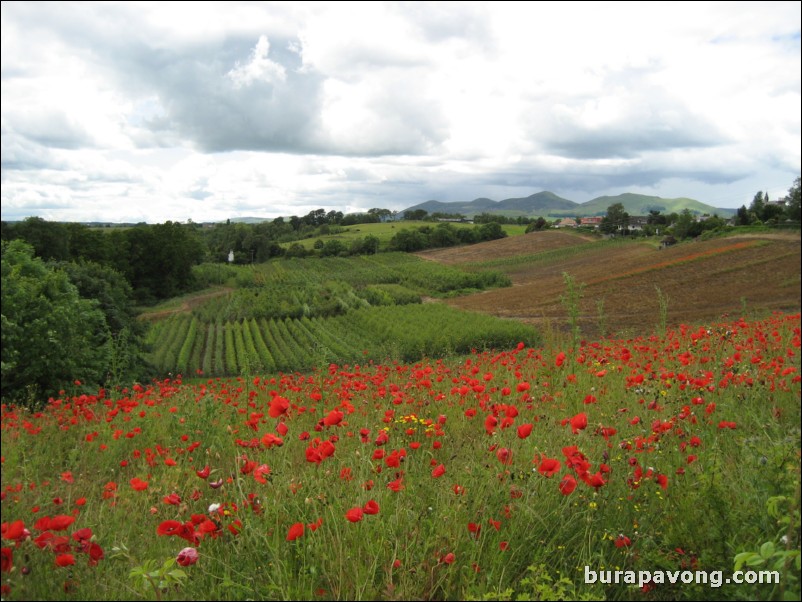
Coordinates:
<point>701,281</point>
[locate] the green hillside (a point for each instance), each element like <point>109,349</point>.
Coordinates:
<point>641,204</point>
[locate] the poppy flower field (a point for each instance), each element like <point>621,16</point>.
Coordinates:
<point>493,475</point>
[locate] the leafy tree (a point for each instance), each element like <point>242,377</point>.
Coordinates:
<point>50,240</point>
<point>491,231</point>
<point>758,205</point>
<point>409,241</point>
<point>417,214</point>
<point>616,219</point>
<point>50,335</point>
<point>157,260</point>
<point>537,225</point>
<point>792,208</point>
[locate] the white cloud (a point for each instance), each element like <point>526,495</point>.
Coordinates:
<point>259,68</point>
<point>214,110</point>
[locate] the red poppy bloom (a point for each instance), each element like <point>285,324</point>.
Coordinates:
<point>371,507</point>
<point>295,531</point>
<point>439,471</point>
<point>449,558</point>
<point>333,418</point>
<point>168,527</point>
<point>560,359</point>
<point>579,422</point>
<point>187,557</point>
<point>525,430</point>
<point>567,485</point>
<point>549,467</point>
<point>622,541</point>
<point>82,535</point>
<point>261,472</point>
<point>354,515</point>
<point>204,472</point>
<point>138,484</point>
<point>278,406</point>
<point>16,530</point>
<point>504,456</point>
<point>269,440</point>
<point>173,499</point>
<point>60,522</point>
<point>7,556</point>
<point>396,485</point>
<point>65,560</point>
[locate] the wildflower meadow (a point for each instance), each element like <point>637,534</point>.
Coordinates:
<point>492,475</point>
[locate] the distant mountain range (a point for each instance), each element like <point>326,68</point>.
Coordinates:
<point>548,204</point>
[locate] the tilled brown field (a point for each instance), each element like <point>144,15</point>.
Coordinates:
<point>701,280</point>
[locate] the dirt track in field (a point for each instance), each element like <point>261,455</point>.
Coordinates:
<point>702,281</point>
<point>186,305</point>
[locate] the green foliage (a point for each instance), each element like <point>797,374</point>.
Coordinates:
<point>50,335</point>
<point>539,584</point>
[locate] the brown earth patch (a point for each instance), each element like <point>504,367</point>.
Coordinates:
<point>187,305</point>
<point>701,280</point>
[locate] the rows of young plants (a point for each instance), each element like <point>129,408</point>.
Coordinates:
<point>673,459</point>
<point>293,288</point>
<point>186,345</point>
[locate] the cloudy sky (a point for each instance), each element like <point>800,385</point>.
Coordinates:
<point>140,111</point>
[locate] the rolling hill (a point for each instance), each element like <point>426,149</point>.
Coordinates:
<point>548,204</point>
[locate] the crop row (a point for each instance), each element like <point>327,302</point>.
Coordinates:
<point>185,344</point>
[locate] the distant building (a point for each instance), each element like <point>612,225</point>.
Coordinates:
<point>592,222</point>
<point>566,222</point>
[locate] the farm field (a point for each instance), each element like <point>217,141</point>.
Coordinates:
<point>698,280</point>
<point>293,315</point>
<point>386,230</point>
<point>504,474</point>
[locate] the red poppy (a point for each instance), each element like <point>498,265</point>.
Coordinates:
<point>261,472</point>
<point>138,484</point>
<point>278,406</point>
<point>16,530</point>
<point>579,422</point>
<point>7,556</point>
<point>396,485</point>
<point>549,466</point>
<point>449,558</point>
<point>82,535</point>
<point>567,485</point>
<point>173,499</point>
<point>168,527</point>
<point>65,560</point>
<point>95,552</point>
<point>295,531</point>
<point>269,440</point>
<point>474,529</point>
<point>622,541</point>
<point>187,557</point>
<point>60,522</point>
<point>204,472</point>
<point>439,471</point>
<point>560,359</point>
<point>504,456</point>
<point>525,430</point>
<point>354,515</point>
<point>371,507</point>
<point>333,418</point>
